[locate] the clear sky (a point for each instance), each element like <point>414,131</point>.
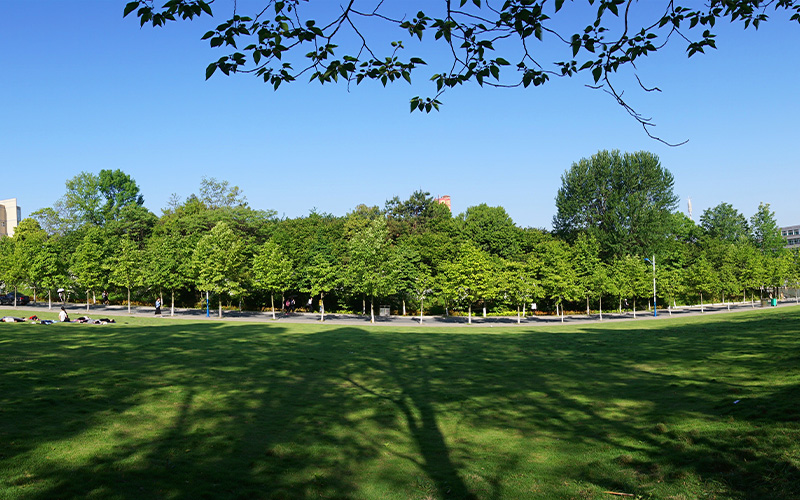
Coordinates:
<point>82,89</point>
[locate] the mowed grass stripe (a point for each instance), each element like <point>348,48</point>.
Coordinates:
<point>150,408</point>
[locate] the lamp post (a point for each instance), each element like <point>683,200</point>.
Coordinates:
<point>655,309</point>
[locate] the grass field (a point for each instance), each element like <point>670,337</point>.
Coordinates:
<point>153,408</point>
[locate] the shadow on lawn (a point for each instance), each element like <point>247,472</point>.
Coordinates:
<point>261,411</point>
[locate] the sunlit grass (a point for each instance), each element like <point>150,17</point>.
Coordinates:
<point>699,407</point>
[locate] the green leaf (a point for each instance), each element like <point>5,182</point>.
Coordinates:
<point>130,7</point>
<point>597,72</point>
<point>210,69</point>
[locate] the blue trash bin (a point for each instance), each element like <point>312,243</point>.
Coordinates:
<point>774,302</point>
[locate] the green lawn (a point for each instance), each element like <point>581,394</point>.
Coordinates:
<point>154,408</point>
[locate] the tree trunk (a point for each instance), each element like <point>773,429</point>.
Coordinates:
<point>421,308</point>
<point>371,310</point>
<point>484,310</point>
<point>524,312</point>
<point>519,319</point>
<point>172,305</point>
<point>634,307</point>
<point>620,304</point>
<point>562,312</point>
<point>587,306</point>
<point>49,301</point>
<point>272,302</point>
<point>129,300</point>
<point>87,300</point>
<point>322,306</point>
<point>702,310</point>
<point>34,294</point>
<point>363,306</point>
<point>220,305</point>
<point>601,307</point>
<point>469,314</point>
<point>404,306</point>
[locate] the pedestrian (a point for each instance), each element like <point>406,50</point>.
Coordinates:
<point>310,304</point>
<point>158,306</point>
<point>292,306</point>
<point>105,297</point>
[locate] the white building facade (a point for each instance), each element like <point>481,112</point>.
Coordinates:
<point>10,215</point>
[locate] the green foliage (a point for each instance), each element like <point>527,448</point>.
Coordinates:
<point>470,277</point>
<point>623,200</point>
<point>702,277</point>
<point>766,235</point>
<point>89,262</point>
<point>119,190</point>
<point>558,274</point>
<point>126,266</point>
<point>219,194</point>
<point>724,222</point>
<point>219,261</point>
<point>272,270</point>
<point>272,41</point>
<point>491,229</point>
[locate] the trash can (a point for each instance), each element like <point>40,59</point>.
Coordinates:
<point>764,302</point>
<point>384,311</point>
<point>774,302</point>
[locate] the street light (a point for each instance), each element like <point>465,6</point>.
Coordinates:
<point>655,309</point>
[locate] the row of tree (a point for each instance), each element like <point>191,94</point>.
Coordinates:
<point>411,254</point>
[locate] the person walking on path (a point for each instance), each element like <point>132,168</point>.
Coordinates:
<point>158,306</point>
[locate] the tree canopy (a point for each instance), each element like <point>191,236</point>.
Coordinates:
<point>513,43</point>
<point>625,200</point>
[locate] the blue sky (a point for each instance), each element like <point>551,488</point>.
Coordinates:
<point>82,89</point>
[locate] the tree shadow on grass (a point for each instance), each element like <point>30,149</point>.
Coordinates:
<point>262,411</point>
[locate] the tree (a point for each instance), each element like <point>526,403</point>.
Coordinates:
<point>321,278</point>
<point>766,234</point>
<point>371,269</point>
<point>725,223</point>
<point>469,277</point>
<point>491,229</point>
<point>630,278</point>
<point>702,278</point>
<point>218,194</point>
<point>671,284</point>
<point>421,285</point>
<point>93,199</point>
<point>168,264</point>
<point>89,261</point>
<point>558,276</point>
<point>219,261</point>
<point>29,240</point>
<point>282,40</point>
<point>589,269</point>
<point>518,281</point>
<point>46,269</point>
<point>119,190</point>
<point>624,200</point>
<point>272,270</point>
<point>415,215</point>
<point>126,266</point>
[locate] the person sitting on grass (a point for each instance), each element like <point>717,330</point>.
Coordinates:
<point>63,316</point>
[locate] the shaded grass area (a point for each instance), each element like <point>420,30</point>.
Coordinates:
<point>177,409</point>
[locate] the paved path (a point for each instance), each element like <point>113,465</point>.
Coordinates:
<point>98,311</point>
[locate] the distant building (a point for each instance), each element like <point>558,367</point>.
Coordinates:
<point>792,236</point>
<point>10,215</point>
<point>445,200</point>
